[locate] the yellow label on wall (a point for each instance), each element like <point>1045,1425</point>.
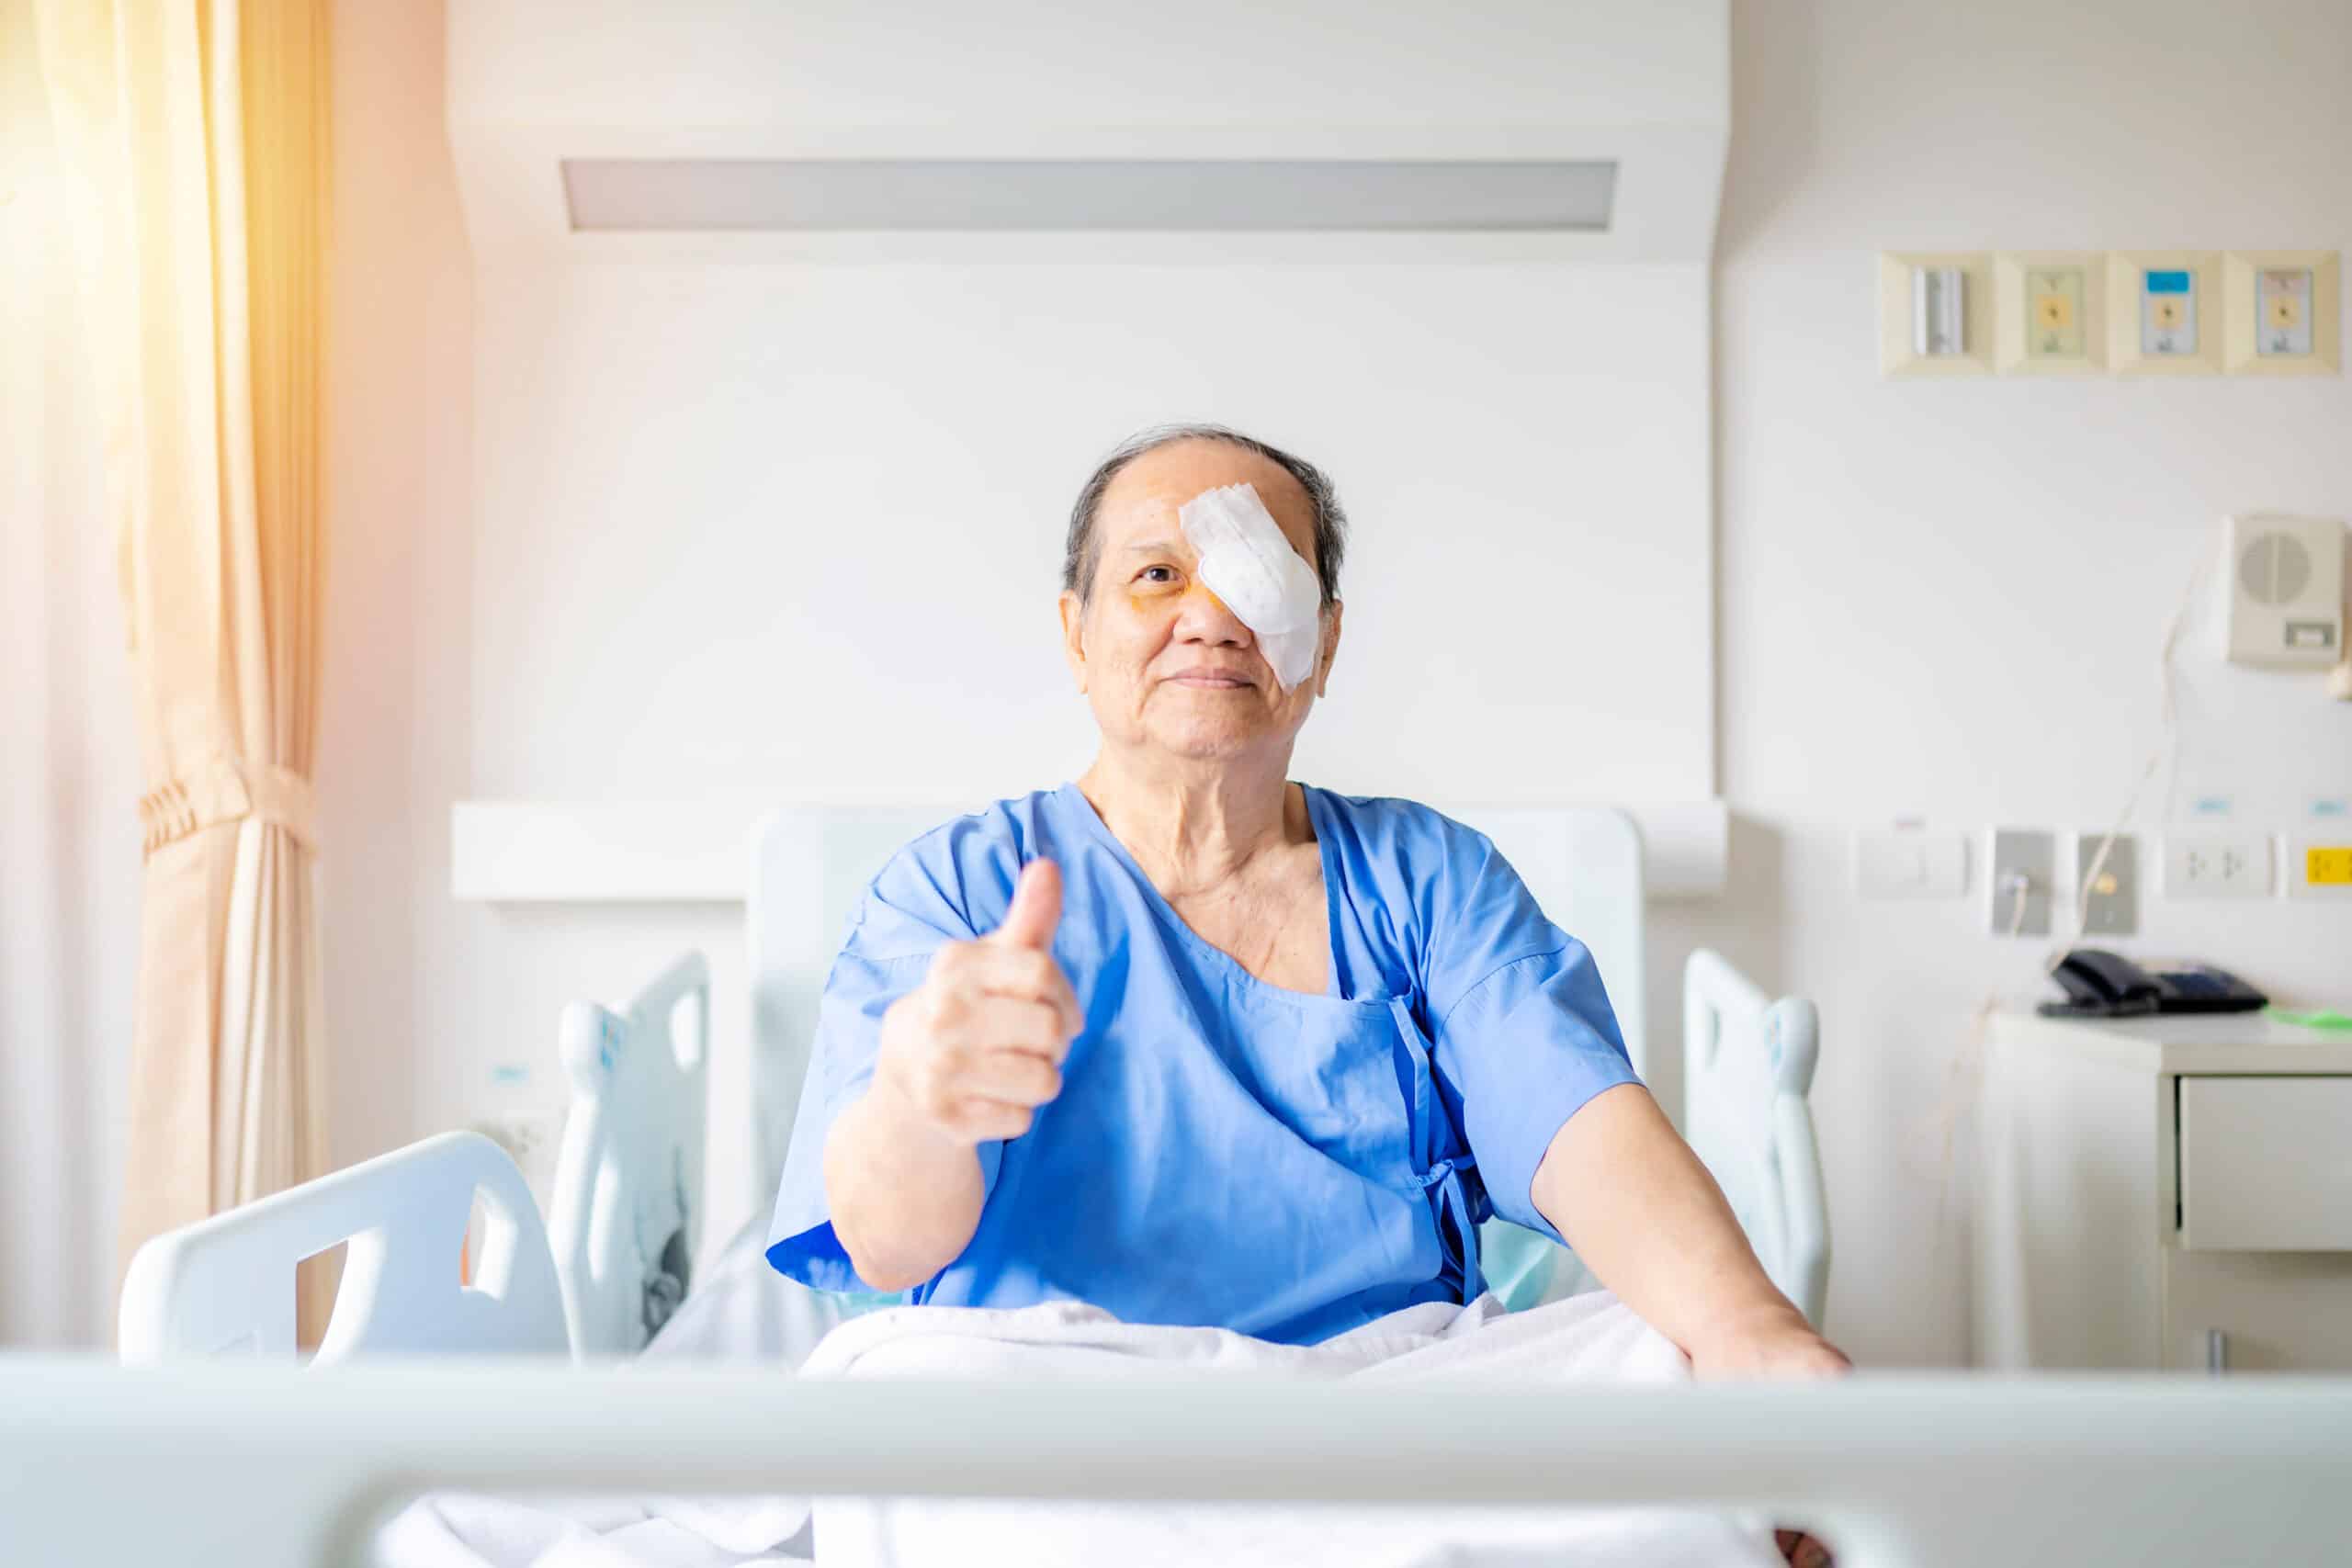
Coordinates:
<point>2328,865</point>
<point>2055,312</point>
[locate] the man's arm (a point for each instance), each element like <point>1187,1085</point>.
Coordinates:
<point>1621,1185</point>
<point>906,1198</point>
<point>965,1058</point>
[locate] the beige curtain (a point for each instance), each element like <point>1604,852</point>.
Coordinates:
<point>196,135</point>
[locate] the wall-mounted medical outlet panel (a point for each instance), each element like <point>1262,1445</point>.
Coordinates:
<point>2281,313</point>
<point>2283,591</point>
<point>2164,312</point>
<point>2020,863</point>
<point>1934,313</point>
<point>2217,864</point>
<point>2320,866</point>
<point>2112,907</point>
<point>2050,309</point>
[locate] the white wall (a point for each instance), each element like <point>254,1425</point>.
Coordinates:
<point>799,527</point>
<point>400,505</point>
<point>2038,534</point>
<point>795,530</point>
<point>1945,598</point>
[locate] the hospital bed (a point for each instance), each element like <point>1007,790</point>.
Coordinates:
<point>626,1209</point>
<point>1891,1470</point>
<point>627,1202</point>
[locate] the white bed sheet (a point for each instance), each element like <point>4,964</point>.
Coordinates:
<point>746,1312</point>
<point>742,1310</point>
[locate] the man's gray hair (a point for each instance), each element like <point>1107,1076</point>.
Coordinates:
<point>1083,551</point>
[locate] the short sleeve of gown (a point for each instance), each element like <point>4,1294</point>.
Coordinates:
<point>905,916</point>
<point>1523,1031</point>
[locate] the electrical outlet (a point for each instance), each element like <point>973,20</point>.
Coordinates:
<point>2320,867</point>
<point>2113,907</point>
<point>2023,863</point>
<point>2217,865</point>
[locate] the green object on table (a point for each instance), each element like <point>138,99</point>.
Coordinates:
<point>2324,1018</point>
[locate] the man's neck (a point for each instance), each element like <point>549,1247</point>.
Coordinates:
<point>1193,828</point>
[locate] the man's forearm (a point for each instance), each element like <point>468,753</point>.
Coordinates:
<point>1641,1211</point>
<point>905,1201</point>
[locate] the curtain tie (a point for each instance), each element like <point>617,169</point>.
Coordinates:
<point>225,788</point>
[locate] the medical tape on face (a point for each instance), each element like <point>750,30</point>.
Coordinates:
<point>1246,562</point>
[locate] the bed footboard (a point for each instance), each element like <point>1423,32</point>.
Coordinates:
<point>268,1466</point>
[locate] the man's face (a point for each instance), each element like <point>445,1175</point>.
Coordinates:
<point>1161,659</point>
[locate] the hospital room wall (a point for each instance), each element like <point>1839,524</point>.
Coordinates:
<point>731,534</point>
<point>1945,598</point>
<point>400,625</point>
<point>751,533</point>
<point>1934,599</point>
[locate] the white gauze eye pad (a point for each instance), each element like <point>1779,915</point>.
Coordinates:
<point>1246,561</point>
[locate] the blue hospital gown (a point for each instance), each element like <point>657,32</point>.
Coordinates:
<point>1225,1151</point>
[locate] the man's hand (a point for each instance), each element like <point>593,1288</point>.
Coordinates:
<point>965,1057</point>
<point>1772,1342</point>
<point>975,1049</point>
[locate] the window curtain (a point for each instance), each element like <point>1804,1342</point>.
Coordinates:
<point>69,767</point>
<point>195,136</point>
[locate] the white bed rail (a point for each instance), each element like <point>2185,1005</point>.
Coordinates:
<point>205,1462</point>
<point>226,1284</point>
<point>1747,1064</point>
<point>625,1216</point>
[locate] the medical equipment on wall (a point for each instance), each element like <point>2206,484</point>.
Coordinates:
<point>2285,592</point>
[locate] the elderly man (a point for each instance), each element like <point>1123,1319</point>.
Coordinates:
<point>1199,1045</point>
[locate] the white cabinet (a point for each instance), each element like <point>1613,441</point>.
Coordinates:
<point>2275,1312</point>
<point>2265,1163</point>
<point>2163,1193</point>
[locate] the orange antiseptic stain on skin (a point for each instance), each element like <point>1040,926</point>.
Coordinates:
<point>1143,603</point>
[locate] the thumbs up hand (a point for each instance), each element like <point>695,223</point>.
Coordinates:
<point>1036,909</point>
<point>978,1045</point>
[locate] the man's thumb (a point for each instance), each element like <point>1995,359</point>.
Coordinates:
<point>1037,908</point>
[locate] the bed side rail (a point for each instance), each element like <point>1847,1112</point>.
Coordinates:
<point>225,1285</point>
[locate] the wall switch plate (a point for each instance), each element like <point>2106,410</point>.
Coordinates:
<point>1934,313</point>
<point>2051,314</point>
<point>2113,907</point>
<point>2320,866</point>
<point>2164,310</point>
<point>1910,863</point>
<point>2211,863</point>
<point>2280,312</point>
<point>2021,865</point>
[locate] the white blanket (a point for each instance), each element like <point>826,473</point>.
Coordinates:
<point>1584,1338</point>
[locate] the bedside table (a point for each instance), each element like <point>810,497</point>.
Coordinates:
<point>2172,1191</point>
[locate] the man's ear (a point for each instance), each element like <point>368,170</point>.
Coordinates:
<point>1073,636</point>
<point>1330,647</point>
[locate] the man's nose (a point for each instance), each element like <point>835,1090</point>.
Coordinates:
<point>1204,618</point>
